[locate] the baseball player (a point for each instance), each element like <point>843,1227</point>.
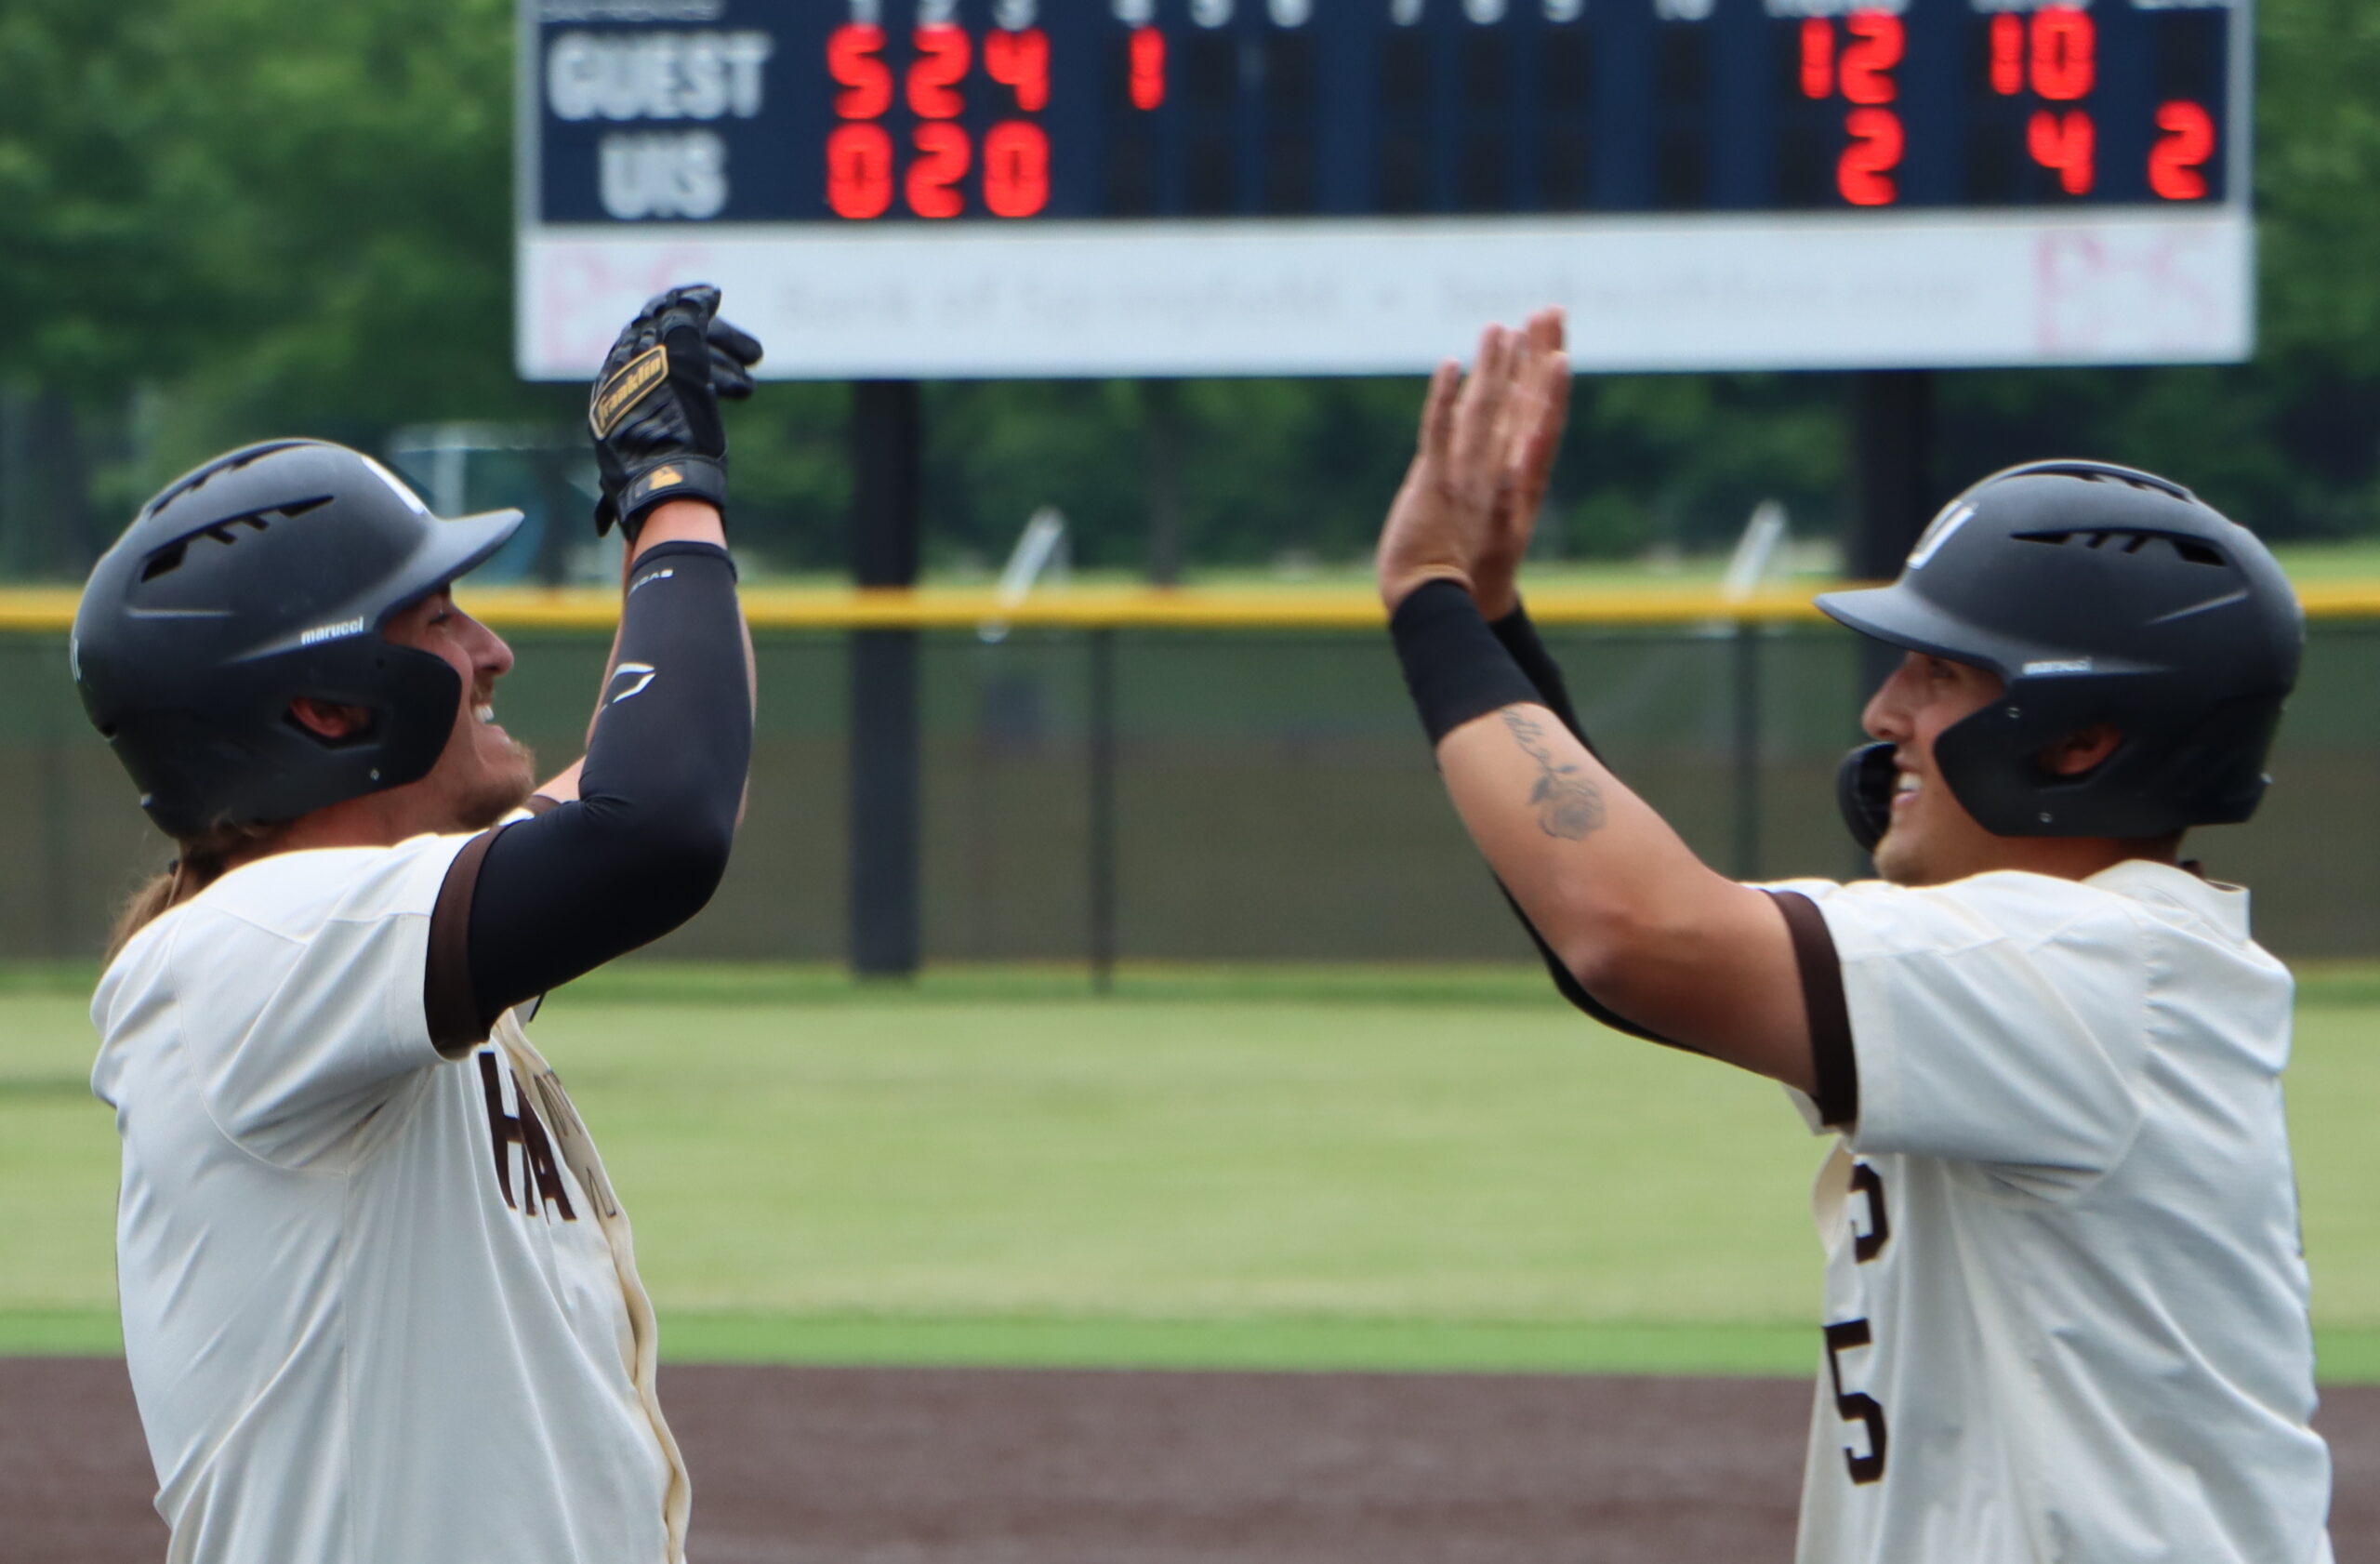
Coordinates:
<point>2066,1303</point>
<point>380,1300</point>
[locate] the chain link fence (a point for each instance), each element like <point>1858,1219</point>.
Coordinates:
<point>1221,796</point>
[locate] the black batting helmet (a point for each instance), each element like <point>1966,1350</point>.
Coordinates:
<point>2097,594</point>
<point>264,575</point>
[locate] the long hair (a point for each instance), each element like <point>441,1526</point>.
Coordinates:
<point>201,863</point>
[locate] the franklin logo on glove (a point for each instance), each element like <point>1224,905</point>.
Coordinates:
<point>618,395</point>
<point>654,409</point>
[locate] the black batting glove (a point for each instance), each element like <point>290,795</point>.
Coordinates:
<point>655,410</point>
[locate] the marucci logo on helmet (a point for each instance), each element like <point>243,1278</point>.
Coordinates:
<point>331,632</point>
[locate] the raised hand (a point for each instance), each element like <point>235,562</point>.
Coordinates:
<point>1534,413</point>
<point>1470,495</point>
<point>653,411</point>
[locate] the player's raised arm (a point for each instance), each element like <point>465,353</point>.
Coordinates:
<point>1627,912</point>
<point>2033,1029</point>
<point>632,841</point>
<point>295,1005</point>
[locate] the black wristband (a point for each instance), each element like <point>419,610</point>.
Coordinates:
<point>1454,666</point>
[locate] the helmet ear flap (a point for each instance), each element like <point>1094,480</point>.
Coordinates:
<point>413,696</point>
<point>2218,769</point>
<point>1863,790</point>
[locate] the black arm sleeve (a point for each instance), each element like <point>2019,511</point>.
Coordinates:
<point>535,904</point>
<point>1519,637</point>
<point>1519,634</point>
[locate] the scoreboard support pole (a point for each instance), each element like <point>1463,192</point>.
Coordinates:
<point>1161,423</point>
<point>1100,850</point>
<point>1893,445</point>
<point>887,461</point>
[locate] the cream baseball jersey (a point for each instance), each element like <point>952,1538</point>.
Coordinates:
<point>2066,1299</point>
<point>378,1306</point>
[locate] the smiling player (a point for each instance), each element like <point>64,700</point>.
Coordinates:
<point>2066,1305</point>
<point>380,1300</point>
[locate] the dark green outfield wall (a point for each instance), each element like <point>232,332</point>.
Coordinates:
<point>1274,798</point>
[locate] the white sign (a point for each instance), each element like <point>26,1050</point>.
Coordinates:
<point>1870,291</point>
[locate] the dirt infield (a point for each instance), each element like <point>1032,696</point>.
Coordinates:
<point>998,1466</point>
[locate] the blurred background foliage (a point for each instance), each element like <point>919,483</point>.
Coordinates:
<point>234,219</point>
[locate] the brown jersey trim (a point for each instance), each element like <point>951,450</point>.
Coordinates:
<point>446,997</point>
<point>1831,1053</point>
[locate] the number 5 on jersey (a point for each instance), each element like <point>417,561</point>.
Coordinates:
<point>1858,1406</point>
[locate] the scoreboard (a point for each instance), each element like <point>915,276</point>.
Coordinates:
<point>1091,187</point>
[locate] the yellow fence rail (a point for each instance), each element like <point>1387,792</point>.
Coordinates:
<point>46,610</point>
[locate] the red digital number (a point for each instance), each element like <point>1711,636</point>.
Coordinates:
<point>943,56</point>
<point>2066,143</point>
<point>1148,68</point>
<point>852,59</point>
<point>1020,61</point>
<point>1865,173</point>
<point>943,156</point>
<point>1016,169</point>
<point>1817,57</point>
<point>2007,54</point>
<point>2065,53</point>
<point>2174,161</point>
<point>859,171</point>
<point>1877,40</point>
<point>1863,74</point>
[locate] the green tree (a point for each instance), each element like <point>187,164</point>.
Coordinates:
<point>230,219</point>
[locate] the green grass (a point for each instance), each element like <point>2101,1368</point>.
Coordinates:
<point>1309,1168</point>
